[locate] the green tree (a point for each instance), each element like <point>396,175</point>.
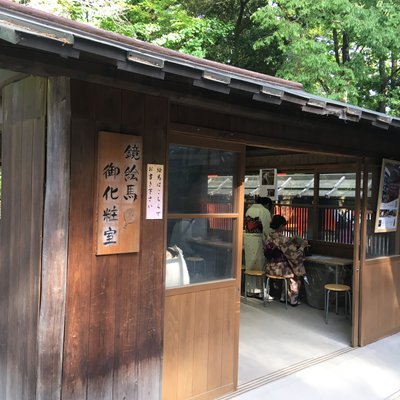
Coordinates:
<point>89,11</point>
<point>168,24</point>
<point>237,47</point>
<point>343,49</point>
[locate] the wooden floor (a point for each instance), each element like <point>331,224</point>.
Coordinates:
<point>274,339</point>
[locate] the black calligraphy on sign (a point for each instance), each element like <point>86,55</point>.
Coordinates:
<point>111,170</point>
<point>154,203</point>
<point>119,183</point>
<point>110,192</point>
<point>131,173</point>
<point>130,193</point>
<point>110,236</point>
<point>110,214</point>
<point>132,152</point>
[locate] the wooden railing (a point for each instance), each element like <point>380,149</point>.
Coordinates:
<point>335,225</point>
<point>379,244</point>
<point>220,223</point>
<point>298,220</point>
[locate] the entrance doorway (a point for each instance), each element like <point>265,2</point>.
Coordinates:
<point>209,349</point>
<point>319,195</point>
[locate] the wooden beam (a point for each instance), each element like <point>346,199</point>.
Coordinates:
<point>295,160</point>
<point>55,242</point>
<point>267,141</point>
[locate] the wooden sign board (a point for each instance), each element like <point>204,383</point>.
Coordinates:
<point>119,181</point>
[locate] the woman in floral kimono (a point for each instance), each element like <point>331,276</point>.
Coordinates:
<point>285,256</point>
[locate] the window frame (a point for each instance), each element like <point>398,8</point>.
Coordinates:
<point>190,140</point>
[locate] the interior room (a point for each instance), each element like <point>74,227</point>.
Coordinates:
<point>317,196</point>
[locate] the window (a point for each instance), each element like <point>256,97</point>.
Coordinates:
<point>336,200</point>
<point>296,196</point>
<point>202,213</point>
<point>317,206</point>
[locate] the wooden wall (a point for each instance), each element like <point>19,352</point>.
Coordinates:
<point>380,299</point>
<point>200,338</point>
<point>23,163</point>
<point>115,303</point>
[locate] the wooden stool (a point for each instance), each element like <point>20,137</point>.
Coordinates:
<point>337,288</point>
<point>281,277</point>
<point>257,274</point>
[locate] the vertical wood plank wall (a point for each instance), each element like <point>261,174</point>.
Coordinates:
<point>380,299</point>
<point>114,305</point>
<point>200,344</point>
<point>23,163</point>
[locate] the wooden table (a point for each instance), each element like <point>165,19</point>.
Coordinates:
<point>221,268</point>
<point>219,244</point>
<point>337,262</point>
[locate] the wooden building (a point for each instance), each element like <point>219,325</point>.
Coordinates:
<point>77,322</point>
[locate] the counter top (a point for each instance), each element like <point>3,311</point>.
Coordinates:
<point>329,260</point>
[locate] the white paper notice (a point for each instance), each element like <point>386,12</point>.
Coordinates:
<point>154,191</point>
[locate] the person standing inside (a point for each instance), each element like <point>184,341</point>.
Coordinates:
<point>257,229</point>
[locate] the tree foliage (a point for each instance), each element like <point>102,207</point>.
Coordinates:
<point>168,24</point>
<point>343,49</point>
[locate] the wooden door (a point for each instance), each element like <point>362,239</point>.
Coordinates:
<point>379,287</point>
<point>201,326</point>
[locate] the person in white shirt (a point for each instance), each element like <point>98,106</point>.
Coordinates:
<point>257,230</point>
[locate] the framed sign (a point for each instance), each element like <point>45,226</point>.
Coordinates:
<point>268,183</point>
<point>388,200</point>
<point>119,180</point>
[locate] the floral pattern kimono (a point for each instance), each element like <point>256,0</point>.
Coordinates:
<point>285,257</point>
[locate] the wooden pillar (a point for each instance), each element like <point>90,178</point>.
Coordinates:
<point>23,164</point>
<point>55,241</point>
<point>359,242</point>
<point>152,256</point>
